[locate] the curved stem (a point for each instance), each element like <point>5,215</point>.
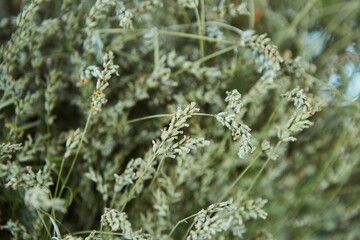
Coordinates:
<point>252,14</point>
<point>59,177</point>
<point>133,188</point>
<point>257,176</point>
<point>181,221</point>
<point>194,36</point>
<point>261,170</point>
<point>203,114</point>
<point>99,232</point>
<point>208,57</point>
<point>76,154</point>
<point>241,175</point>
<point>157,171</point>
<point>148,117</point>
<point>44,224</point>
<point>156,50</point>
<point>27,126</point>
<point>226,26</point>
<point>188,230</point>
<point>200,28</point>
<point>113,199</point>
<point>163,116</point>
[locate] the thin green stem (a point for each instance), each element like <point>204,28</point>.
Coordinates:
<point>44,224</point>
<point>148,117</point>
<point>77,153</point>
<point>257,176</point>
<point>206,58</point>
<point>181,221</point>
<point>202,15</point>
<point>188,230</point>
<point>226,26</point>
<point>122,30</point>
<point>194,36</point>
<point>163,116</point>
<point>157,171</point>
<point>312,229</point>
<point>201,25</point>
<point>156,49</point>
<point>290,31</point>
<point>27,126</point>
<point>99,232</point>
<point>200,32</point>
<point>59,177</point>
<point>252,14</point>
<point>309,189</point>
<point>113,199</point>
<point>168,33</point>
<point>240,176</point>
<point>132,190</point>
<point>261,170</point>
<point>203,114</point>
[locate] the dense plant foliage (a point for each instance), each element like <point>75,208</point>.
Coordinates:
<point>186,119</point>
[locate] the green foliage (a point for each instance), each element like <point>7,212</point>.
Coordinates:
<point>179,119</point>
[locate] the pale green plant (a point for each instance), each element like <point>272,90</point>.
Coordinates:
<point>179,119</point>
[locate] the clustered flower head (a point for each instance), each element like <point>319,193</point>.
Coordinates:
<point>267,56</point>
<point>135,169</point>
<point>7,149</point>
<point>39,198</point>
<point>223,216</point>
<point>98,97</point>
<point>168,145</point>
<point>118,221</point>
<point>305,108</point>
<point>211,221</point>
<point>232,121</point>
<point>125,17</point>
<point>72,142</point>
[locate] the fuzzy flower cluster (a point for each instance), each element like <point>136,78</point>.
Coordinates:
<point>118,221</point>
<point>253,209</point>
<point>39,198</point>
<point>7,149</point>
<point>134,170</point>
<point>167,144</point>
<point>223,9</point>
<point>305,108</point>
<point>267,56</point>
<point>226,216</point>
<point>295,66</point>
<point>189,3</point>
<point>72,142</point>
<point>139,170</point>
<point>231,120</point>
<point>211,221</point>
<point>99,11</point>
<point>125,17</point>
<point>21,37</point>
<point>98,98</point>
<point>249,209</point>
<point>98,179</point>
<point>24,177</point>
<point>18,231</point>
